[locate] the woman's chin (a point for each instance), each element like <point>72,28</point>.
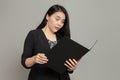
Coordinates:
<point>55,31</point>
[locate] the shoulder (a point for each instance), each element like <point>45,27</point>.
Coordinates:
<point>61,37</point>
<point>35,32</point>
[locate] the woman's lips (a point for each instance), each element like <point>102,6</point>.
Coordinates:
<point>57,28</point>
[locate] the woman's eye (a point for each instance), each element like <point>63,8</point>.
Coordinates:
<point>63,21</point>
<point>57,19</point>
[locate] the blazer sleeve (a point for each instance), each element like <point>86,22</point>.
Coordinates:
<point>28,48</point>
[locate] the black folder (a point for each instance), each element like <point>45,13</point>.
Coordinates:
<point>65,49</point>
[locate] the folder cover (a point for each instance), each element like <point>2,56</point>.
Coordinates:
<point>65,49</point>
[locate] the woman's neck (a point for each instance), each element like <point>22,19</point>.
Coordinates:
<point>49,34</point>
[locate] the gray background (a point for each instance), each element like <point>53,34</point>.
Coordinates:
<point>90,20</point>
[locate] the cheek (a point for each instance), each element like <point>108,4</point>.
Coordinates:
<point>50,23</point>
<point>62,25</point>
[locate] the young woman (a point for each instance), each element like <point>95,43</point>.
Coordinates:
<point>54,26</point>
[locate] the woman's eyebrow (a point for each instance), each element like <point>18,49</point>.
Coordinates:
<point>59,17</point>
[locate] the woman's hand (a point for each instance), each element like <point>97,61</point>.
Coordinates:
<point>40,58</point>
<point>71,64</point>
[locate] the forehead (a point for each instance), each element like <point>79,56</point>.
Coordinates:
<point>59,14</point>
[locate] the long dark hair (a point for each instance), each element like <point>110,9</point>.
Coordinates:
<point>65,30</point>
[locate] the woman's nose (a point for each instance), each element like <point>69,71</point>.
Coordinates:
<point>59,23</point>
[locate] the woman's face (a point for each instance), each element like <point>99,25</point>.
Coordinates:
<point>56,21</point>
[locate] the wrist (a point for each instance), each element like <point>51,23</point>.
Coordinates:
<point>33,59</point>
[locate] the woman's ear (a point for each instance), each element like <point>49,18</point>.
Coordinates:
<point>47,17</point>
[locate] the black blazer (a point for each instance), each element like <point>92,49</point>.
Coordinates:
<point>36,42</point>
